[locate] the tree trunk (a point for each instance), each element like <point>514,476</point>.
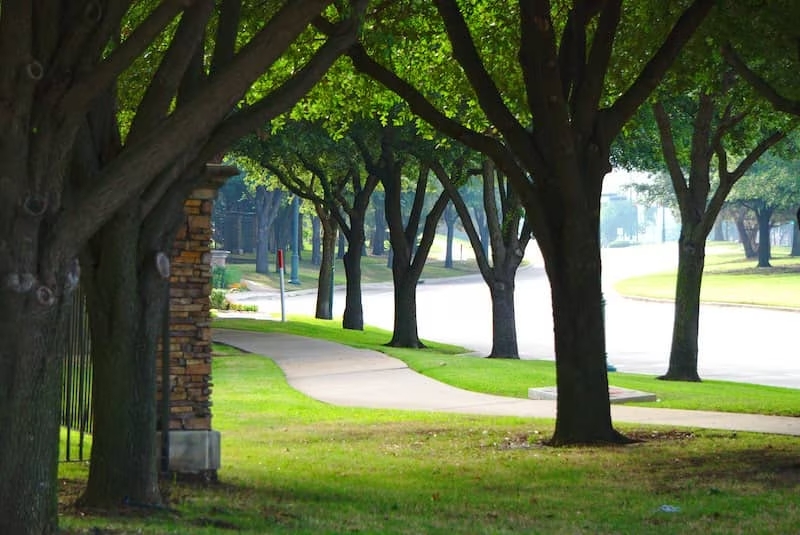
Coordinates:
<point>764,216</point>
<point>405,332</point>
<point>683,352</point>
<point>316,242</point>
<point>450,220</point>
<point>126,300</point>
<point>325,286</point>
<point>719,235</point>
<point>30,384</point>
<point>745,237</point>
<point>353,309</point>
<point>262,231</point>
<point>342,243</point>
<point>796,239</point>
<point>267,204</point>
<point>504,327</point>
<point>379,236</point>
<point>573,267</point>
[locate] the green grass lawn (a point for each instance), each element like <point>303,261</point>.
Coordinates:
<point>729,277</point>
<point>374,268</point>
<point>513,377</point>
<point>294,465</point>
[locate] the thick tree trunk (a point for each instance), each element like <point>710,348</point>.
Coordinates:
<point>353,309</point>
<point>405,332</point>
<point>30,386</point>
<point>325,284</point>
<point>796,239</point>
<point>573,267</point>
<point>126,301</point>
<point>683,353</point>
<point>504,327</point>
<point>764,216</point>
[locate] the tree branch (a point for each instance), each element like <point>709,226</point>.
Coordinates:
<point>466,220</point>
<point>164,85</point>
<point>644,85</point>
<point>227,28</point>
<point>762,87</point>
<point>670,153</point>
<point>489,97</point>
<point>85,89</point>
<point>420,106</point>
<point>586,96</point>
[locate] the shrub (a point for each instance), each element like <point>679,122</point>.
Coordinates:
<point>218,300</point>
<point>242,308</point>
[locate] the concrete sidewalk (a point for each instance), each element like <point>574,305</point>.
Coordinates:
<point>341,375</point>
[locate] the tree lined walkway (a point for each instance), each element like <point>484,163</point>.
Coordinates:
<point>341,375</point>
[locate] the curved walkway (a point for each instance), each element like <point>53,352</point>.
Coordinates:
<point>342,375</point>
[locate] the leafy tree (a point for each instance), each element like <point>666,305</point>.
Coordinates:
<point>383,158</point>
<point>771,188</point>
<point>509,234</point>
<point>77,179</point>
<point>550,94</point>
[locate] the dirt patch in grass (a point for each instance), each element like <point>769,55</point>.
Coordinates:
<point>757,469</point>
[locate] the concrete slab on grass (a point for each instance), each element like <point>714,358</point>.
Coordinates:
<point>616,394</point>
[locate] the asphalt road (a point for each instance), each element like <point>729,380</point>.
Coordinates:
<point>736,343</point>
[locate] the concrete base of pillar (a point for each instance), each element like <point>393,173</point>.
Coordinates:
<point>193,452</point>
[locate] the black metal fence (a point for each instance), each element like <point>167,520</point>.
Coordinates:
<point>76,389</point>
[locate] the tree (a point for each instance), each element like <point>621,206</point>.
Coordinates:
<point>772,187</point>
<point>408,256</point>
<point>293,155</point>
<point>540,81</point>
<point>699,209</point>
<point>509,234</point>
<point>68,180</point>
<point>267,203</point>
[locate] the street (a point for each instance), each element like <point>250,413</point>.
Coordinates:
<point>743,344</point>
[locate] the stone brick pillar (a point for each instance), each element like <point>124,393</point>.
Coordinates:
<point>194,446</point>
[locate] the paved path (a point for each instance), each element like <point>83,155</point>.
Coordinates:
<point>341,375</point>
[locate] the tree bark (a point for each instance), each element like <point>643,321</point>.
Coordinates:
<point>267,203</point>
<point>354,309</point>
<point>683,352</point>
<point>796,236</point>
<point>316,241</point>
<point>404,331</point>
<point>325,286</point>
<point>30,384</point>
<point>573,267</point>
<point>450,217</point>
<point>764,216</point>
<point>126,301</point>
<point>379,236</point>
<point>504,327</point>
<point>745,236</point>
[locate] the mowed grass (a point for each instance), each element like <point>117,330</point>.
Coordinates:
<point>373,268</point>
<point>729,277</point>
<point>294,465</point>
<point>513,377</point>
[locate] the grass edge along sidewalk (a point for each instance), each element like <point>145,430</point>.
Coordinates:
<point>294,465</point>
<point>512,378</point>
